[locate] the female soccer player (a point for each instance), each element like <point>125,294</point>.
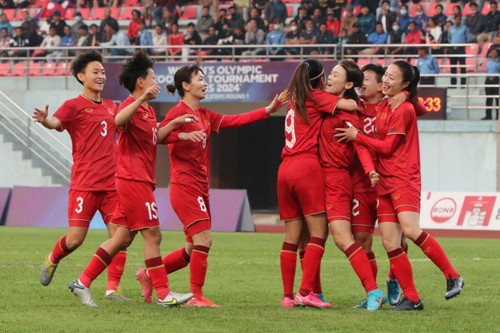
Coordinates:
<point>89,120</point>
<point>301,188</point>
<point>399,189</point>
<point>336,158</point>
<point>189,182</point>
<point>135,181</point>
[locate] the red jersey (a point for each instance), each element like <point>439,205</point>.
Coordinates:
<point>137,142</point>
<point>399,167</point>
<point>300,136</point>
<point>92,129</point>
<point>190,161</point>
<point>367,113</point>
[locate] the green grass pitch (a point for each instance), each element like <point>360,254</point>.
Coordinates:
<point>244,278</point>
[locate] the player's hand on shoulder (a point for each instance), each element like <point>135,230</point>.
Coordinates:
<point>40,115</point>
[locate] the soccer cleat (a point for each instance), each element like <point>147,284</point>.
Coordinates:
<point>321,297</point>
<point>454,287</point>
<point>375,300</point>
<point>47,272</point>
<point>82,292</point>
<point>201,302</point>
<point>146,284</point>
<point>311,300</point>
<point>174,299</point>
<point>394,293</point>
<point>287,302</point>
<point>361,305</point>
<point>116,295</point>
<point>407,305</point>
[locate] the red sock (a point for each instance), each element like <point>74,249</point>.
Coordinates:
<point>176,260</point>
<point>317,287</point>
<point>198,269</point>
<point>288,264</point>
<point>435,252</point>
<point>401,267</point>
<point>373,264</point>
<point>60,251</point>
<point>158,275</point>
<point>359,262</point>
<point>96,266</point>
<point>312,259</point>
<point>115,270</point>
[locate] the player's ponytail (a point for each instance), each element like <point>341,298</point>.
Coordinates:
<point>183,74</point>
<point>170,88</point>
<point>307,76</point>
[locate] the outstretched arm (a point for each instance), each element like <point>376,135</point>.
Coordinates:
<point>384,147</point>
<point>164,131</point>
<point>42,116</point>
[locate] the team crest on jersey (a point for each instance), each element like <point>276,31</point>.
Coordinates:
<point>111,112</point>
<point>383,115</point>
<point>207,123</point>
<point>145,115</point>
<point>89,109</point>
<point>396,196</point>
<point>329,206</point>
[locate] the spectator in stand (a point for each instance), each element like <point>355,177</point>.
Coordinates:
<point>386,17</point>
<point>421,19</point>
<point>221,20</point>
<point>414,36</point>
<point>307,4</point>
<point>332,24</point>
<point>439,16</point>
<point>395,37</point>
<point>275,10</point>
<point>118,38</point>
<point>192,38</point>
<point>68,40</point>
<point>458,34</point>
<point>378,38</point>
<point>58,23</point>
<point>145,37</point>
<point>475,20</point>
<point>236,20</point>
<point>83,35</point>
<point>49,9</point>
<point>427,64</point>
<point>239,39</point>
<point>49,43</point>
<point>19,41</point>
<point>253,36</point>
<point>257,16</point>
<point>404,19</point>
<point>169,18</point>
<point>457,11</point>
<point>225,38</point>
<point>433,33</point>
<point>293,38</point>
<point>491,23</point>
<point>29,25</point>
<point>159,41</point>
<point>75,28</point>
<point>366,21</point>
<point>357,37</point>
<point>212,39</point>
<point>349,19</point>
<point>175,38</point>
<point>260,4</point>
<point>317,19</point>
<point>4,23</point>
<point>45,26</point>
<point>204,22</point>
<point>161,6</point>
<point>133,27</point>
<point>7,4</point>
<point>5,42</point>
<point>324,37</point>
<point>341,41</point>
<point>324,6</point>
<point>492,82</point>
<point>108,19</point>
<point>94,38</point>
<point>308,36</point>
<point>301,18</point>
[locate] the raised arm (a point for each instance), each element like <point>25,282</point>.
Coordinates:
<point>123,117</point>
<point>42,116</point>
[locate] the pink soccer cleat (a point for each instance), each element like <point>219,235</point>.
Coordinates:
<point>287,302</point>
<point>146,284</point>
<point>311,300</point>
<point>201,302</point>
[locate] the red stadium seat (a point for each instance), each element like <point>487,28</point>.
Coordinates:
<point>363,62</point>
<point>190,13</point>
<point>413,10</point>
<point>10,14</point>
<point>49,69</point>
<point>115,12</point>
<point>431,10</point>
<point>85,13</point>
<point>62,69</point>
<point>131,3</point>
<point>69,14</point>
<point>19,69</point>
<point>34,68</point>
<point>448,11</point>
<point>97,13</point>
<point>41,3</point>
<point>466,9</point>
<point>486,8</point>
<point>127,13</point>
<point>471,62</point>
<point>4,69</point>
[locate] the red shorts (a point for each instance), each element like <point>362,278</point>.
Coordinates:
<point>192,206</point>
<point>338,186</point>
<point>405,199</point>
<point>137,208</point>
<point>364,211</point>
<point>82,206</point>
<point>301,187</point>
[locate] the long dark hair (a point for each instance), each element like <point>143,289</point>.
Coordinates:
<point>411,74</point>
<point>183,74</point>
<point>306,77</point>
<point>354,75</point>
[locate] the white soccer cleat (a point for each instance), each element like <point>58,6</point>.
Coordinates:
<point>82,292</point>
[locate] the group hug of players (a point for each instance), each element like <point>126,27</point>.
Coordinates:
<point>347,162</point>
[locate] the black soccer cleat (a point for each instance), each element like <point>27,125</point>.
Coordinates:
<point>407,305</point>
<point>454,287</point>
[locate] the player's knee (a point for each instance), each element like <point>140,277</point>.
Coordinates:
<point>72,243</point>
<point>390,244</point>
